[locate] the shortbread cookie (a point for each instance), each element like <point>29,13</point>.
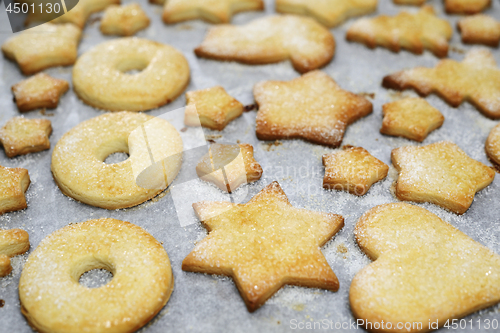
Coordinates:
<point>39,91</point>
<point>413,32</point>
<point>12,243</point>
<point>476,80</point>
<point>411,118</point>
<point>352,169</point>
<point>264,244</point>
<point>425,271</point>
<point>44,46</point>
<point>124,20</point>
<point>271,39</point>
<point>328,12</point>
<point>440,173</point>
<point>492,145</point>
<point>480,29</point>
<point>212,108</point>
<point>21,136</point>
<point>466,6</point>
<point>229,166</point>
<point>410,2</point>
<point>312,107</point>
<point>14,182</point>
<point>214,11</point>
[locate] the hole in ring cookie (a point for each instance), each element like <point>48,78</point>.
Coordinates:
<point>95,278</point>
<point>93,272</point>
<point>117,157</point>
<point>133,66</point>
<point>113,152</point>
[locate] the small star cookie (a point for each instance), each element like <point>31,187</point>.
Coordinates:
<point>214,11</point>
<point>352,169</point>
<point>12,243</point>
<point>440,173</point>
<point>480,29</point>
<point>411,118</point>
<point>492,145</point>
<point>212,108</point>
<point>44,46</point>
<point>229,166</point>
<point>13,183</point>
<point>264,244</point>
<point>39,91</point>
<point>476,79</point>
<point>312,107</point>
<point>466,6</point>
<point>413,32</point>
<point>21,136</point>
<point>271,39</point>
<point>124,20</point>
<point>328,12</point>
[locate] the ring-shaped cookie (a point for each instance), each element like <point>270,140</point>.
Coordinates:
<point>52,300</point>
<point>101,80</point>
<point>492,145</point>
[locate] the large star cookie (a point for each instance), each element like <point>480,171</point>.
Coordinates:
<point>214,11</point>
<point>21,136</point>
<point>264,244</point>
<point>466,6</point>
<point>414,32</point>
<point>425,273</point>
<point>328,12</point>
<point>476,79</point>
<point>312,107</point>
<point>271,39</point>
<point>39,91</point>
<point>12,243</point>
<point>13,183</point>
<point>44,46</point>
<point>440,173</point>
<point>124,20</point>
<point>480,29</point>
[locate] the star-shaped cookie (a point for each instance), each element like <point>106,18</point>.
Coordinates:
<point>328,12</point>
<point>413,32</point>
<point>21,136</point>
<point>492,145</point>
<point>411,118</point>
<point>352,169</point>
<point>476,79</point>
<point>466,6</point>
<point>124,20</point>
<point>39,91</point>
<point>312,107</point>
<point>214,11</point>
<point>44,46</point>
<point>264,244</point>
<point>13,183</point>
<point>12,243</point>
<point>480,29</point>
<point>440,173</point>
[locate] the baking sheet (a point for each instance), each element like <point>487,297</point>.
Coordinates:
<point>204,303</point>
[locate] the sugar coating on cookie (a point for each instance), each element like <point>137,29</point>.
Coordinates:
<point>12,243</point>
<point>440,173</point>
<point>124,20</point>
<point>39,91</point>
<point>409,2</point>
<point>312,107</point>
<point>329,13</point>
<point>44,46</point>
<point>413,32</point>
<point>480,29</point>
<point>214,11</point>
<point>13,183</point>
<point>411,118</point>
<point>21,136</point>
<point>264,244</point>
<point>425,270</point>
<point>466,6</point>
<point>303,41</point>
<point>212,108</point>
<point>492,145</point>
<point>476,80</point>
<point>352,169</point>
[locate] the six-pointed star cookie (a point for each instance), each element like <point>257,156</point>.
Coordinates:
<point>328,12</point>
<point>414,32</point>
<point>480,29</point>
<point>21,136</point>
<point>39,91</point>
<point>476,79</point>
<point>13,183</point>
<point>312,107</point>
<point>124,20</point>
<point>264,244</point>
<point>352,169</point>
<point>12,243</point>
<point>440,173</point>
<point>214,11</point>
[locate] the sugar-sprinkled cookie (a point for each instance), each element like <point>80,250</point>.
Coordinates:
<point>476,80</point>
<point>124,20</point>
<point>425,271</point>
<point>13,183</point>
<point>411,118</point>
<point>328,12</point>
<point>466,6</point>
<point>440,173</point>
<point>410,2</point>
<point>492,145</point>
<point>39,91</point>
<point>480,29</point>
<point>312,107</point>
<point>12,243</point>
<point>264,244</point>
<point>21,136</point>
<point>306,43</point>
